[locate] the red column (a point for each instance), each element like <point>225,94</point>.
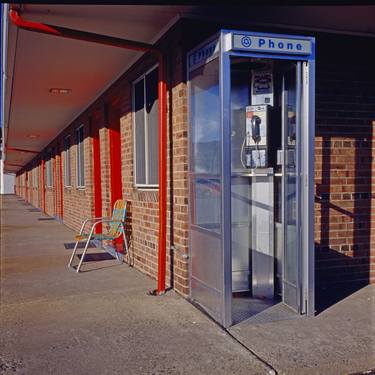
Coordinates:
<point>54,184</point>
<point>61,186</point>
<point>115,155</point>
<point>43,188</point>
<point>115,161</point>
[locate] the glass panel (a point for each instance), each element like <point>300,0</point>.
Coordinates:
<point>205,113</point>
<point>82,157</point>
<point>290,109</point>
<point>67,161</point>
<point>206,190</point>
<point>207,203</point>
<point>48,170</point>
<point>240,185</point>
<point>77,160</point>
<point>139,124</point>
<point>152,123</point>
<point>47,173</point>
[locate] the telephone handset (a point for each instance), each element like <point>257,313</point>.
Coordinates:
<point>255,128</point>
<point>256,140</point>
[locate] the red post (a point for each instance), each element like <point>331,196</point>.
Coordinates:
<point>162,123</point>
<point>54,184</point>
<point>61,188</point>
<point>115,161</point>
<point>115,155</point>
<point>43,188</point>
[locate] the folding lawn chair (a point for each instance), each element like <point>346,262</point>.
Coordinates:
<point>116,229</point>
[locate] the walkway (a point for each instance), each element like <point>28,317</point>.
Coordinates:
<point>101,321</point>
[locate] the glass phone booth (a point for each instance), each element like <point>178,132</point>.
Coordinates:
<point>251,115</point>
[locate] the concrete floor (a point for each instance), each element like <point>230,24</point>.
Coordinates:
<point>340,340</point>
<point>102,321</point>
<point>54,321</point>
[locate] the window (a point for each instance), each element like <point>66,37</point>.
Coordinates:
<point>35,175</point>
<point>145,108</point>
<point>80,158</point>
<point>49,181</point>
<point>67,175</point>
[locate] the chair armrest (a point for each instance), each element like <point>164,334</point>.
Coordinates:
<point>104,220</point>
<point>107,220</point>
<point>88,220</point>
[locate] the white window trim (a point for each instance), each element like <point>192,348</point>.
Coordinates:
<point>36,176</point>
<point>141,186</point>
<point>49,172</point>
<point>70,162</point>
<point>80,187</point>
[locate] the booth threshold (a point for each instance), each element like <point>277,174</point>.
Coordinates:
<point>248,310</point>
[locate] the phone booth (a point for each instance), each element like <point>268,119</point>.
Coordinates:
<point>251,174</point>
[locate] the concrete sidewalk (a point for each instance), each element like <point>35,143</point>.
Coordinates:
<point>54,321</point>
<point>102,321</point>
<point>340,340</point>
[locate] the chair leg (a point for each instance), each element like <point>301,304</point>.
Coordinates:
<point>126,245</point>
<point>84,252</point>
<point>73,253</point>
<point>116,253</point>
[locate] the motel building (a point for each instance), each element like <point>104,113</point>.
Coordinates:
<point>240,137</point>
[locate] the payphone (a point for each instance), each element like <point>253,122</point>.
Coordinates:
<point>256,136</point>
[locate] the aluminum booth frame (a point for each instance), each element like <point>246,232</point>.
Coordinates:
<point>223,46</point>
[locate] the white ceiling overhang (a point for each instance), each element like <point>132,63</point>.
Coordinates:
<point>33,116</point>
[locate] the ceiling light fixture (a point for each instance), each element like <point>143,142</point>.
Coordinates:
<point>33,136</point>
<point>56,90</point>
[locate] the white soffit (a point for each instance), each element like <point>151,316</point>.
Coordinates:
<point>38,62</point>
<point>42,61</point>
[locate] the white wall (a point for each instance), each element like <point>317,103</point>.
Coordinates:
<point>7,181</point>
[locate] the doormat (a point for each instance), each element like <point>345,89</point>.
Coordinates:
<point>95,257</point>
<point>81,245</point>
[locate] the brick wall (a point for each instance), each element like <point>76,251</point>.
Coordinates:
<point>344,148</point>
<point>344,228</point>
<point>143,204</point>
<point>78,202</point>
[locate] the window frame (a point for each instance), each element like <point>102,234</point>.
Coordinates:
<point>146,185</point>
<point>49,177</point>
<point>67,161</point>
<point>35,175</point>
<point>78,154</point>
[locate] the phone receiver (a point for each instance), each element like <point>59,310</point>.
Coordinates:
<point>255,128</point>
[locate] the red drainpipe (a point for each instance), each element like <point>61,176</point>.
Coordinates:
<point>162,113</point>
<point>61,187</point>
<point>21,150</point>
<point>113,119</point>
<point>43,188</point>
<point>54,184</point>
<point>113,123</point>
